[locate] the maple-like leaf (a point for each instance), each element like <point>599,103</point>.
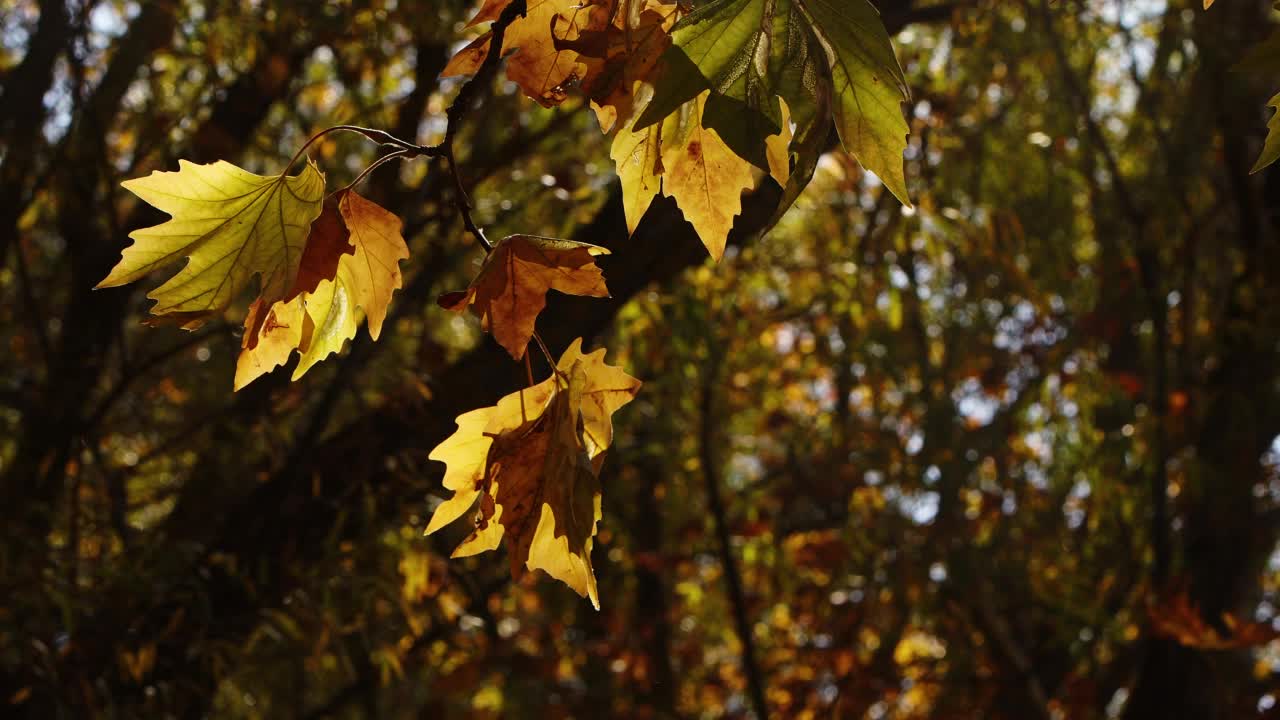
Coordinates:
<point>869,88</point>
<point>231,224</point>
<point>748,53</point>
<point>638,158</point>
<point>532,464</point>
<point>602,47</point>
<point>511,287</point>
<point>817,55</point>
<point>542,69</point>
<point>704,176</point>
<point>362,244</point>
<point>621,58</point>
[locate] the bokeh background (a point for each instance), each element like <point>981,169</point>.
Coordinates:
<point>1011,454</point>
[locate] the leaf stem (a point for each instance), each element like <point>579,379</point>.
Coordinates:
<point>545,353</point>
<point>396,155</point>
<point>381,137</point>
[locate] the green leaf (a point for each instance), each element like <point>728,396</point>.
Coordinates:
<point>232,224</point>
<point>1271,148</point>
<point>869,87</point>
<point>748,53</point>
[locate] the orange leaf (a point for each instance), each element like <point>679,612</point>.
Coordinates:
<point>603,46</point>
<point>352,260</point>
<point>512,286</point>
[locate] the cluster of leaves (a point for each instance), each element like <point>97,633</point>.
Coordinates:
<point>704,106</point>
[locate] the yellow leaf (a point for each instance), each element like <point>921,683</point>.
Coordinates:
<point>704,176</point>
<point>365,280</point>
<point>638,156</point>
<point>279,331</point>
<point>1271,146</point>
<point>231,224</point>
<point>533,461</point>
<point>511,287</point>
<point>778,148</point>
<point>367,243</point>
<point>607,389</point>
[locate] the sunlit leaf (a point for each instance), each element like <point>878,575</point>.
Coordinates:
<point>638,158</point>
<point>317,322</point>
<point>1271,147</point>
<point>869,87</point>
<point>532,464</point>
<point>703,175</point>
<point>231,224</point>
<point>511,287</point>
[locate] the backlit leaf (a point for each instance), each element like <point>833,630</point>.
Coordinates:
<point>869,87</point>
<point>703,175</point>
<point>748,53</point>
<point>1271,147</point>
<point>231,224</point>
<point>511,287</point>
<point>319,321</point>
<point>543,70</point>
<point>638,157</point>
<point>532,463</point>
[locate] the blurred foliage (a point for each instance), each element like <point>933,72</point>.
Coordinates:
<point>1011,454</point>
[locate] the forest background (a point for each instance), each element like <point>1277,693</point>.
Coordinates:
<point>1008,453</point>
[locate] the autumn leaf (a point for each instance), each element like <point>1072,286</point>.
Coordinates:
<point>511,287</point>
<point>638,158</point>
<point>748,53</point>
<point>231,224</point>
<point>704,176</point>
<point>869,88</point>
<point>778,149</point>
<point>531,463</point>
<point>621,58</point>
<point>543,70</point>
<point>321,315</point>
<point>1271,146</point>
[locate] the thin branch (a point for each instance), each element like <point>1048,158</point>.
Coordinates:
<point>462,105</point>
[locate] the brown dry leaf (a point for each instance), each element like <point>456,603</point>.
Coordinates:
<point>533,462</point>
<point>511,288</point>
<point>360,243</point>
<point>704,176</point>
<point>621,57</point>
<point>543,70</point>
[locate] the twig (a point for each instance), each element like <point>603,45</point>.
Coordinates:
<point>462,104</point>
